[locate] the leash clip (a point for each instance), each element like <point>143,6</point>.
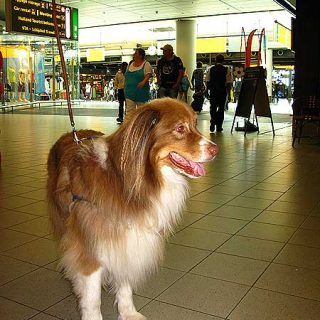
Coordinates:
<point>75,137</point>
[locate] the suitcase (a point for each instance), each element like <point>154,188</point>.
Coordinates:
<point>197,103</point>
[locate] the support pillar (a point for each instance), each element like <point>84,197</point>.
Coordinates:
<point>269,67</point>
<point>186,35</point>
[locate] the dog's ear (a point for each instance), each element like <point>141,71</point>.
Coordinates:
<point>137,139</point>
<point>139,127</point>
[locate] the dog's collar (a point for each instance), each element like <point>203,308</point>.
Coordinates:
<point>76,197</point>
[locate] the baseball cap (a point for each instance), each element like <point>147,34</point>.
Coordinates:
<point>167,47</point>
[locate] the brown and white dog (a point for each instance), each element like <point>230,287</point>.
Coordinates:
<point>113,200</point>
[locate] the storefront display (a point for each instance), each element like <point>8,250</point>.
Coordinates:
<point>31,63</point>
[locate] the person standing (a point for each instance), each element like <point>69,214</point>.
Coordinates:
<point>169,73</point>
<point>219,82</point>
<point>137,88</point>
<point>184,87</point>
<point>119,81</point>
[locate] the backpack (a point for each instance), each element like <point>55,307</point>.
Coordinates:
<point>184,84</point>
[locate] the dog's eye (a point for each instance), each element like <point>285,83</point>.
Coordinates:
<point>181,129</point>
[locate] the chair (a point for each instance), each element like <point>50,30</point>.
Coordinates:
<point>305,110</point>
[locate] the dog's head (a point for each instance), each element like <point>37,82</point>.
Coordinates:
<point>164,133</point>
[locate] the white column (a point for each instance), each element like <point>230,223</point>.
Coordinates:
<point>269,66</point>
<point>127,58</point>
<point>186,35</point>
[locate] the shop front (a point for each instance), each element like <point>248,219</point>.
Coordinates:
<point>32,69</point>
<point>31,62</point>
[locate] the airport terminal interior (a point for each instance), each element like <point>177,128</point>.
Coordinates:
<point>248,245</point>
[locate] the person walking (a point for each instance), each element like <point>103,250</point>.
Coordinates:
<point>137,88</point>
<point>197,79</point>
<point>169,73</point>
<point>119,81</point>
<point>219,82</point>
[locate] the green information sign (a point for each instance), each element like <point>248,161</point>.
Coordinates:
<point>35,17</point>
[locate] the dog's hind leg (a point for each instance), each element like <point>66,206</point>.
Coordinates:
<point>126,308</point>
<point>88,289</point>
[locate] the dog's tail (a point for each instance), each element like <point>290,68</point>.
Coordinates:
<point>58,192</point>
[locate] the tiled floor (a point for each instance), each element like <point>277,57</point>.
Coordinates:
<point>248,247</point>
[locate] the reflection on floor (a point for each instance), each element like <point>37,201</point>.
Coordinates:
<point>248,247</point>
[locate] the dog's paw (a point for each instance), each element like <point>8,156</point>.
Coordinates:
<point>132,316</point>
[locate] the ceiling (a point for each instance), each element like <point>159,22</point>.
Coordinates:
<point>104,12</point>
<point>101,12</point>
<point>145,21</point>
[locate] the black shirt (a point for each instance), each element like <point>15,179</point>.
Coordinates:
<point>218,77</point>
<point>169,71</point>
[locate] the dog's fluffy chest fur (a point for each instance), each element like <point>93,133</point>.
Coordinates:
<point>142,244</point>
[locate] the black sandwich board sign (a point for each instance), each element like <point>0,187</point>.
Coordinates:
<point>253,92</point>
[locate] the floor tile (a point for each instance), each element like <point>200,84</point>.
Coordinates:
<point>219,224</point>
<point>37,294</point>
<point>39,252</point>
<point>208,295</point>
<point>10,239</point>
<point>295,281</point>
<point>306,237</point>
<point>43,316</point>
<point>189,218</point>
<point>183,258</point>
<point>300,256</point>
<point>40,226</point>
<point>39,208</point>
<point>289,207</point>
<point>272,186</point>
<point>159,282</point>
<point>312,223</point>
<point>267,231</point>
<point>201,239</point>
<point>16,189</point>
<point>159,311</point>
<point>280,218</point>
<point>15,202</point>
<point>251,248</point>
<point>262,194</point>
<point>236,212</point>
<point>11,310</point>
<point>231,268</point>
<point>220,189</point>
<point>67,309</point>
<point>20,179</point>
<point>40,194</point>
<point>213,198</point>
<point>266,305</point>
<point>10,218</point>
<point>247,202</point>
<point>12,269</point>
<point>200,206</point>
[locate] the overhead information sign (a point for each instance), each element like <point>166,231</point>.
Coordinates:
<point>35,17</point>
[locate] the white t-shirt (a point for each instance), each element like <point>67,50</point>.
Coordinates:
<point>146,65</point>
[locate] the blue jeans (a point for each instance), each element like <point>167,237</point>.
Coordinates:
<point>168,92</point>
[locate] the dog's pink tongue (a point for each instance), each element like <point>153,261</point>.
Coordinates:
<point>197,168</point>
<point>193,168</point>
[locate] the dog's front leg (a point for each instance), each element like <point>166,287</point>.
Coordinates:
<point>88,289</point>
<point>126,308</point>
